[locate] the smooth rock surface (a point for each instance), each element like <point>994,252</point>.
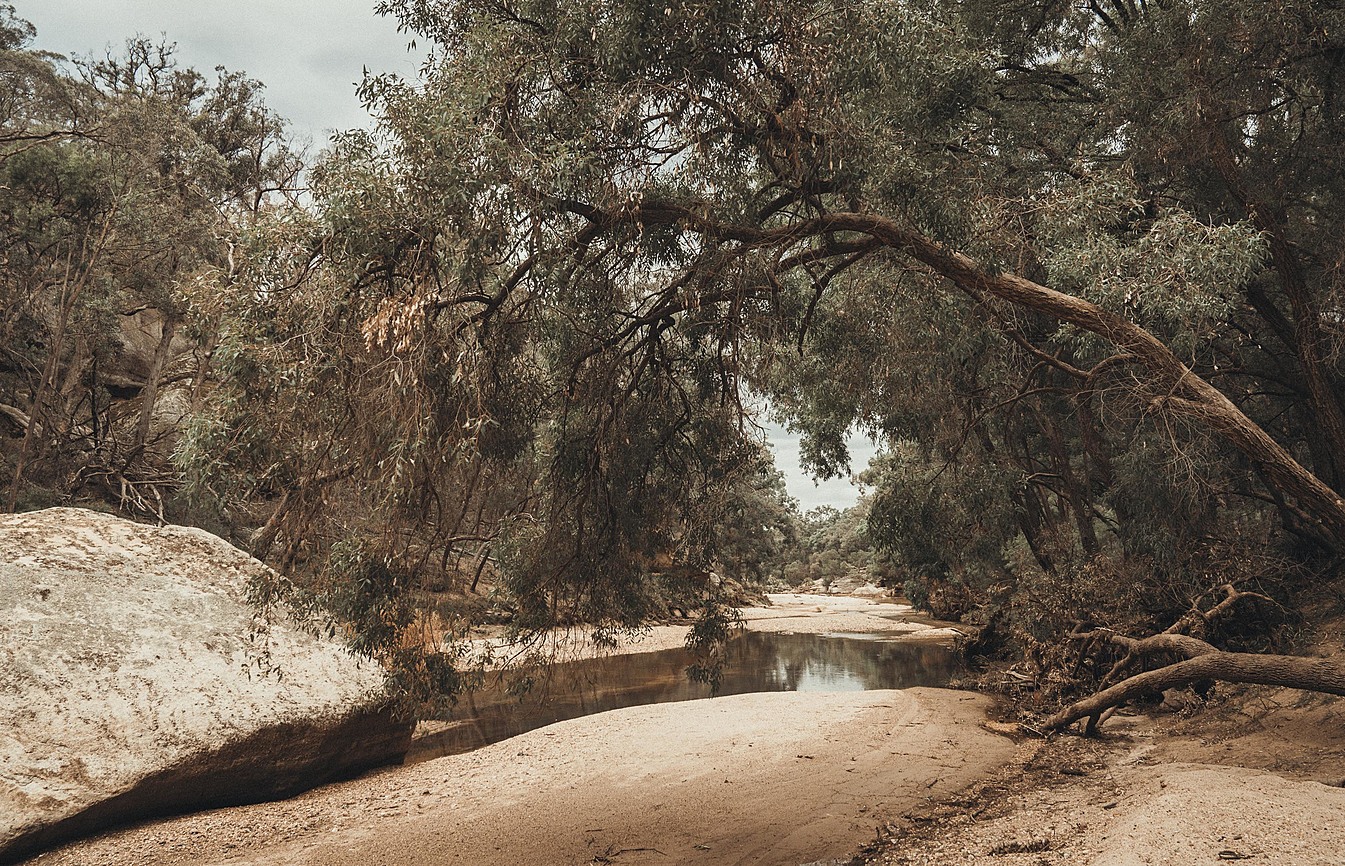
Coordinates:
<point>135,679</point>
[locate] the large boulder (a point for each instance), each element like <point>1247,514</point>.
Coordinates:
<point>137,680</point>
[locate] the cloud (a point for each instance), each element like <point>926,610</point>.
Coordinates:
<point>310,53</point>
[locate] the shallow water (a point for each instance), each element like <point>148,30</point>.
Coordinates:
<point>754,662</point>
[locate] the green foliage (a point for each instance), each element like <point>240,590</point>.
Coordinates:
<point>829,548</point>
<point>707,639</point>
<point>124,182</point>
<point>507,348</point>
<point>627,206</point>
<point>946,525</point>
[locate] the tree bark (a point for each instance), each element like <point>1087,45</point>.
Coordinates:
<point>1079,496</point>
<point>39,422</point>
<point>204,354</point>
<point>293,496</point>
<point>150,394</point>
<point>72,287</point>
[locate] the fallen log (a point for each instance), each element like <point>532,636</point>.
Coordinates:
<point>1184,638</point>
<point>1295,672</point>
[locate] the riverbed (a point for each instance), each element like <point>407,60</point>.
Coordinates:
<point>766,777</point>
<point>763,657</point>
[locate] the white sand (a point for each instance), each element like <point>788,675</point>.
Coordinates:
<point>758,778</point>
<point>762,778</point>
<point>799,613</point>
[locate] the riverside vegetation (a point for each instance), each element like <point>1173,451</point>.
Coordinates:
<point>1076,266</point>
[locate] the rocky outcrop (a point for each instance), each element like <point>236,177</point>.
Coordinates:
<point>137,680</point>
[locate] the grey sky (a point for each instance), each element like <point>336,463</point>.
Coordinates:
<point>311,55</point>
<point>838,492</point>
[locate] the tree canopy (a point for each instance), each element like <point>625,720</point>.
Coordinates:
<point>1077,265</point>
<point>1054,241</point>
<point>127,184</point>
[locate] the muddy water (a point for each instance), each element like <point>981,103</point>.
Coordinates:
<point>755,662</point>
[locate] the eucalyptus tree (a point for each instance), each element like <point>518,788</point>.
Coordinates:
<point>1098,235</point>
<point>202,162</point>
<point>128,182</point>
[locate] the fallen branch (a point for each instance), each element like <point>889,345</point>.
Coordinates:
<point>1177,640</point>
<point>18,416</point>
<point>1295,672</point>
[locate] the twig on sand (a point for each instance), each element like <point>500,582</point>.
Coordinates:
<point>609,855</point>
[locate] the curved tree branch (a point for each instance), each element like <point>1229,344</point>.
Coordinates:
<point>1189,395</point>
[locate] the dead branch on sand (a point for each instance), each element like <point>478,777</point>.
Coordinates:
<point>1200,661</point>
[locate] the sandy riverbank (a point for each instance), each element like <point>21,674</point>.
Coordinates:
<point>800,613</point>
<point>1254,777</point>
<point>758,778</point>
<point>780,778</point>
<point>804,613</point>
<point>790,778</point>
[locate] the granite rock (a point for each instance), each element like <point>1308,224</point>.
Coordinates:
<point>137,680</point>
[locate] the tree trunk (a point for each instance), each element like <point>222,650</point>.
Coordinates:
<point>150,394</point>
<point>204,354</point>
<point>1079,496</point>
<point>72,287</point>
<point>1295,672</point>
<point>294,496</point>
<point>1029,523</point>
<point>1182,391</point>
<point>1188,395</point>
<point>1309,343</point>
<point>38,417</point>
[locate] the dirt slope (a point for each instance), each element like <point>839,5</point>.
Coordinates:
<point>1253,778</point>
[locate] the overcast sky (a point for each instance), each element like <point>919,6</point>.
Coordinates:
<point>838,492</point>
<point>311,55</point>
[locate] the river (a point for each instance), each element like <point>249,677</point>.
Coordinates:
<point>753,662</point>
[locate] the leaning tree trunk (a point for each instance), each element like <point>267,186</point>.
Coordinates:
<point>1186,393</point>
<point>1182,391</point>
<point>149,396</point>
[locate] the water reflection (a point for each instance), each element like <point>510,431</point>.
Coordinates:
<point>755,662</point>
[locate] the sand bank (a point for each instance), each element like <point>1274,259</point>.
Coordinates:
<point>762,778</point>
<point>800,613</point>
